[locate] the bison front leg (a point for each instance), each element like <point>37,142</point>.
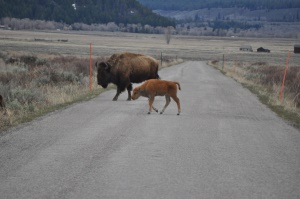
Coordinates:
<point>117,94</point>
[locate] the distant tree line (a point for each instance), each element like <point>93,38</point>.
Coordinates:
<point>83,11</point>
<point>204,29</point>
<point>27,24</point>
<point>233,24</point>
<point>194,5</point>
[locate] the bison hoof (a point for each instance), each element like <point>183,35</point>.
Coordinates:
<point>114,99</point>
<point>149,113</point>
<point>128,99</point>
<point>161,112</point>
<point>178,113</point>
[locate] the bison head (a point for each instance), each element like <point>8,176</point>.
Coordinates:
<point>103,74</point>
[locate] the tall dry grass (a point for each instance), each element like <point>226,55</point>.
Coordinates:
<point>32,84</point>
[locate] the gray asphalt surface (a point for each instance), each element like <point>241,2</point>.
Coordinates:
<point>225,144</point>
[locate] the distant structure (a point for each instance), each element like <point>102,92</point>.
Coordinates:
<point>261,49</point>
<point>297,48</point>
<point>246,48</point>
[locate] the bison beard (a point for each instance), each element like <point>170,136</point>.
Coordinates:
<point>124,69</point>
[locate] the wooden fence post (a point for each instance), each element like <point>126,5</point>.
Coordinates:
<point>284,76</point>
<point>161,59</point>
<point>91,68</point>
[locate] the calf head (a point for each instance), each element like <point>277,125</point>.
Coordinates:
<point>136,93</point>
<point>103,74</point>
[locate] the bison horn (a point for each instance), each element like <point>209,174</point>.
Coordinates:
<point>107,66</point>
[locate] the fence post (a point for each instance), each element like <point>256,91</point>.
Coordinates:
<point>161,59</point>
<point>223,62</point>
<point>284,76</point>
<point>235,63</point>
<point>91,68</point>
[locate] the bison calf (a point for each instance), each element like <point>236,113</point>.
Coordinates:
<point>155,87</point>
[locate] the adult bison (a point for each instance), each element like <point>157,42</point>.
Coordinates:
<point>124,69</point>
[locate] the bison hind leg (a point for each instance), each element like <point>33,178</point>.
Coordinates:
<point>129,89</point>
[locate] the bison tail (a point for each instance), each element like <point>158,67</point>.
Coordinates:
<point>178,85</point>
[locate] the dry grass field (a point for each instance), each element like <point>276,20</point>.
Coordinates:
<point>52,64</point>
<point>185,47</point>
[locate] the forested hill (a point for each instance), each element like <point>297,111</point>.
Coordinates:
<point>84,11</point>
<point>199,4</point>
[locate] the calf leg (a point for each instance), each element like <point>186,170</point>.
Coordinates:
<point>151,100</point>
<point>176,99</point>
<point>168,100</point>
<point>155,109</point>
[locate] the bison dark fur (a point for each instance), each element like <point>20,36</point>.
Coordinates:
<point>2,105</point>
<point>124,69</point>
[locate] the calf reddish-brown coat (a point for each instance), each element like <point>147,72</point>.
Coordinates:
<point>124,69</point>
<point>155,87</point>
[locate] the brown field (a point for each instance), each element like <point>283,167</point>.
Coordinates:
<point>185,47</point>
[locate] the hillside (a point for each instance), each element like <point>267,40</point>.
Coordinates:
<point>83,11</point>
<point>234,14</point>
<point>200,4</point>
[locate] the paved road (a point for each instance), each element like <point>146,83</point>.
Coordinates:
<point>225,144</point>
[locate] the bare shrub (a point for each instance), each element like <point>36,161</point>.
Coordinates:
<point>31,83</point>
<point>214,62</point>
<point>168,34</point>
